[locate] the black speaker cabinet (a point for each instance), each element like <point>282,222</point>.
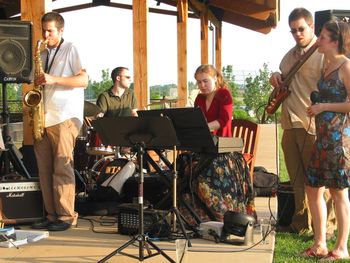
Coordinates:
<point>15,51</point>
<point>21,201</point>
<point>322,17</point>
<point>286,207</point>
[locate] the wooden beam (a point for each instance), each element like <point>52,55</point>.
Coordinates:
<point>101,2</point>
<point>218,48</point>
<point>32,10</point>
<point>140,52</point>
<point>204,37</point>
<point>198,7</point>
<point>244,7</point>
<point>182,92</point>
<point>251,23</point>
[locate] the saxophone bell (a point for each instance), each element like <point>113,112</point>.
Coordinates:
<point>32,98</point>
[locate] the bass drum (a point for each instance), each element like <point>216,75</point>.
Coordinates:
<point>105,167</point>
<point>110,177</point>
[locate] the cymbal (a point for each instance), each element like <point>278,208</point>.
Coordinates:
<point>90,109</point>
<point>162,102</point>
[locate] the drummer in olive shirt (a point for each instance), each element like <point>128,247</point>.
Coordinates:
<point>119,100</point>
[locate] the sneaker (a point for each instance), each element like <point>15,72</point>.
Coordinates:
<point>44,224</point>
<point>59,225</point>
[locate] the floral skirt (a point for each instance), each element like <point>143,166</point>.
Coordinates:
<point>216,183</point>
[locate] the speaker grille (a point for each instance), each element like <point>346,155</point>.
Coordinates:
<point>15,51</point>
<point>12,56</point>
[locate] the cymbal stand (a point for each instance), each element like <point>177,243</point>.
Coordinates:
<point>175,212</point>
<point>141,238</point>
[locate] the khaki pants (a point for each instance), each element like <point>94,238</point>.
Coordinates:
<point>54,154</point>
<point>297,145</point>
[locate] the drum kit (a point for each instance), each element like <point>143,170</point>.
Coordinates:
<point>91,156</point>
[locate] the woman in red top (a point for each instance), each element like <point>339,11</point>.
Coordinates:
<point>221,182</point>
<point>214,99</point>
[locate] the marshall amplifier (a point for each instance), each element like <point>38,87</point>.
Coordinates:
<point>21,201</point>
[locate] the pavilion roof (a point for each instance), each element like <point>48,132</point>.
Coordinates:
<point>257,15</point>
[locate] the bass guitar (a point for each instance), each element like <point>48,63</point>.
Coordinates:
<point>278,95</point>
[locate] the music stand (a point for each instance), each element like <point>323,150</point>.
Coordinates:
<point>193,134</point>
<point>139,133</point>
<point>191,128</point>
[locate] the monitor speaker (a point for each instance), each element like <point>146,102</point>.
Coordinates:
<point>322,17</point>
<point>15,51</point>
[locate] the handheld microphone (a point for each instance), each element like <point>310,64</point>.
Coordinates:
<point>315,97</point>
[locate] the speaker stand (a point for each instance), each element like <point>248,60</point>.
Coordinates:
<point>10,153</point>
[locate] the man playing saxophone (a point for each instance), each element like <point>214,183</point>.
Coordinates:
<point>64,81</point>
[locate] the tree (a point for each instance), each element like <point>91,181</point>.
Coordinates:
<point>239,112</point>
<point>257,92</point>
<point>96,88</point>
<point>227,73</point>
<point>13,96</point>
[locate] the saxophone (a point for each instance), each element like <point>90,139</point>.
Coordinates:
<point>33,99</point>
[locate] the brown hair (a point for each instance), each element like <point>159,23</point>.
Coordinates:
<point>53,16</point>
<point>301,12</point>
<point>339,31</point>
<point>213,72</point>
<point>116,72</point>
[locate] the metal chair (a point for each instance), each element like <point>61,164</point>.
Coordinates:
<point>249,132</point>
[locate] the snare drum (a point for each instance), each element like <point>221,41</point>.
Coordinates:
<point>94,145</point>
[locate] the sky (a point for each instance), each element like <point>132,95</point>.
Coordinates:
<point>104,36</point>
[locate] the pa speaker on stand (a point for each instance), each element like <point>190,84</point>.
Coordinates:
<point>15,67</point>
<point>324,16</point>
<point>15,51</point>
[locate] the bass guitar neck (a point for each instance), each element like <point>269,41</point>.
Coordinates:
<point>278,95</point>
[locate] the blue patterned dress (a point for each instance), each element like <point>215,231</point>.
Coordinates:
<point>329,165</point>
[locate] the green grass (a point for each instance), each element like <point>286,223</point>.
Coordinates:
<point>283,174</point>
<point>289,246</point>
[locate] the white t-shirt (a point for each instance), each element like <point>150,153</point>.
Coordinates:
<point>62,103</point>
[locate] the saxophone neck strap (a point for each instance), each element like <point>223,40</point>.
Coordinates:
<point>47,66</point>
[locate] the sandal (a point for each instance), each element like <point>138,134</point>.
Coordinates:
<point>314,253</point>
<point>331,256</point>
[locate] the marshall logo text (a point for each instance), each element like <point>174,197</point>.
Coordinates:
<point>15,195</point>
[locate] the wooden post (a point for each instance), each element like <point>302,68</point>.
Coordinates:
<point>140,12</point>
<point>182,18</point>
<point>32,10</point>
<point>218,47</point>
<point>204,36</point>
